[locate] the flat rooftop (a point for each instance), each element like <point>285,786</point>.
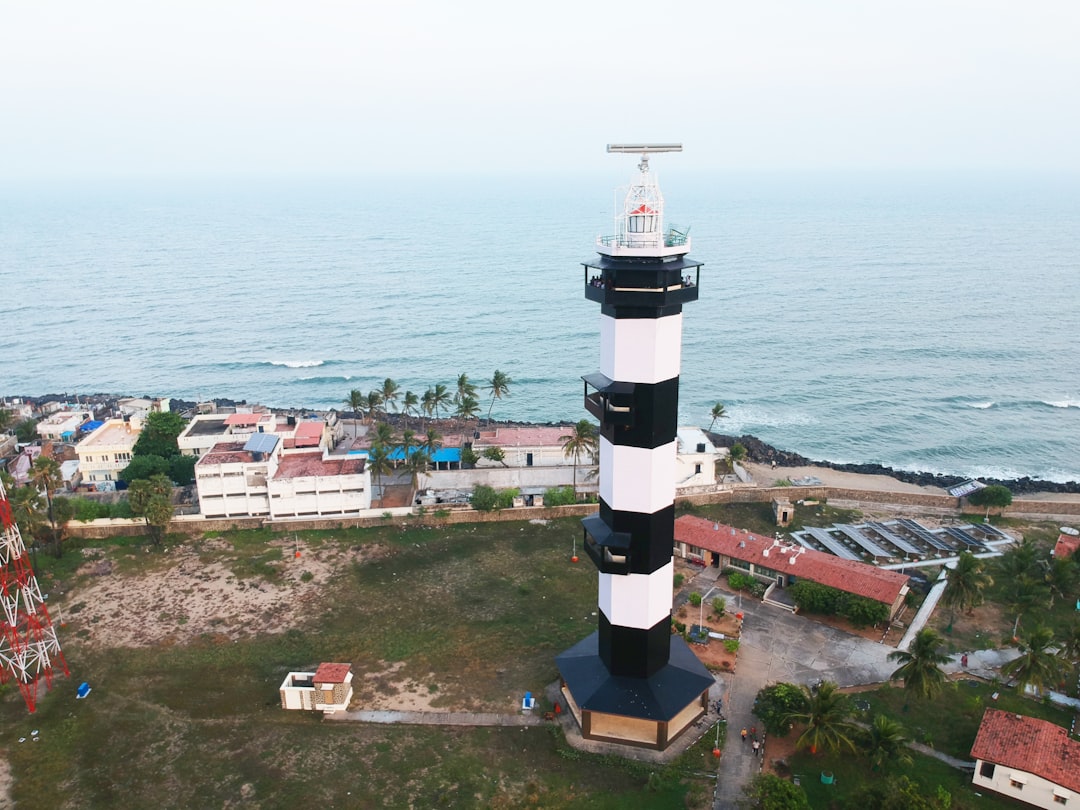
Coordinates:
<point>311,465</point>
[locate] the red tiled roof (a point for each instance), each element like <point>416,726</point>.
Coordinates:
<point>850,576</point>
<point>309,433</point>
<point>310,465</point>
<point>1034,746</point>
<point>524,436</point>
<point>1066,546</point>
<point>332,673</point>
<point>226,453</point>
<point>243,418</point>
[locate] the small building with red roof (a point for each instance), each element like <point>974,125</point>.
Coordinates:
<point>328,689</point>
<point>1067,544</point>
<point>1030,760</point>
<point>772,561</point>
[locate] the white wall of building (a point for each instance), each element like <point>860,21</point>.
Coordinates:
<point>1025,787</point>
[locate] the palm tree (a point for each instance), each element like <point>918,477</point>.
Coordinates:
<point>499,386</point>
<point>1038,665</point>
<point>379,464</point>
<point>736,454</point>
<point>389,393</point>
<point>410,403</point>
<point>826,719</point>
<point>582,442</point>
<point>374,400</point>
<point>384,435</point>
<point>416,465</point>
<point>1060,575</point>
<point>885,742</point>
<point>427,403</point>
<point>46,477</point>
<point>408,438</point>
<point>465,388</point>
<point>920,665</point>
<point>432,441</point>
<point>967,580</point>
<point>467,409</point>
<point>718,412</point>
<point>356,401</point>
<point>440,398</point>
<point>1070,645</point>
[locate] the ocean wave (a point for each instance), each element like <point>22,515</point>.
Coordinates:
<point>1061,403</point>
<point>296,363</point>
<point>981,405</point>
<point>326,379</point>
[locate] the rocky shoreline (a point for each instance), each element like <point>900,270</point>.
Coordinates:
<point>757,451</point>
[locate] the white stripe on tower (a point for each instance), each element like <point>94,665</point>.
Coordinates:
<point>640,350</point>
<point>637,600</point>
<point>637,479</point>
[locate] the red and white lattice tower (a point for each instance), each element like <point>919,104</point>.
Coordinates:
<point>29,648</point>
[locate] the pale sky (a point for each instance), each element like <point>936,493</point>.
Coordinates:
<point>141,89</point>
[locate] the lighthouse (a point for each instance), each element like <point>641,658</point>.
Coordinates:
<point>632,681</point>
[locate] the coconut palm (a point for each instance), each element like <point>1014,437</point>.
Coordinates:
<point>467,408</point>
<point>374,401</point>
<point>967,579</point>
<point>464,388</point>
<point>408,442</point>
<point>410,404</point>
<point>717,412</point>
<point>736,454</point>
<point>440,398</point>
<point>431,442</point>
<point>886,742</point>
<point>499,386</point>
<point>1070,645</point>
<point>582,442</point>
<point>920,665</point>
<point>1060,575</point>
<point>416,465</point>
<point>356,401</point>
<point>46,477</point>
<point>383,434</point>
<point>427,403</point>
<point>826,720</point>
<point>1038,665</point>
<point>390,392</point>
<point>379,464</point>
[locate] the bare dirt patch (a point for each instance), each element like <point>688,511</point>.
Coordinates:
<point>6,802</point>
<point>191,597</point>
<point>386,689</point>
<point>714,655</point>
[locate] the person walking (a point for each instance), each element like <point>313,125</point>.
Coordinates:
<point>743,735</point>
<point>757,748</point>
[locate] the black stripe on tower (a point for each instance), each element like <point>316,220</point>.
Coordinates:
<point>642,287</point>
<point>634,414</point>
<point>633,652</point>
<point>620,542</point>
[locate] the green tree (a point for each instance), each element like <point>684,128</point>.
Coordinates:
<point>356,401</point>
<point>158,435</point>
<point>427,403</point>
<point>390,392</point>
<point>7,419</point>
<point>432,441</point>
<point>182,469</point>
<point>374,402</point>
<point>895,793</point>
<point>717,412</point>
<point>583,441</point>
<point>416,465</point>
<point>484,498</point>
<point>46,477</point>
<point>769,792</point>
<point>440,398</point>
<point>464,388</point>
<point>150,499</point>
<point>467,408</point>
<point>379,464</point>
<point>994,496</point>
<point>499,386</point>
<point>825,716</point>
<point>495,454</point>
<point>383,434</point>
<point>886,742</point>
<point>1070,644</point>
<point>410,405</point>
<point>408,442</point>
<point>920,665</point>
<point>28,509</point>
<point>736,454</point>
<point>1061,575</point>
<point>26,431</point>
<point>143,467</point>
<point>967,579</point>
<point>1038,666</point>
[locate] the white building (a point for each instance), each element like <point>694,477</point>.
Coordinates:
<point>1032,761</point>
<point>328,689</point>
<point>260,477</point>
<point>108,450</point>
<point>62,425</point>
<point>695,460</point>
<point>207,430</point>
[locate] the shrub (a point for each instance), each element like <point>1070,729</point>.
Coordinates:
<point>775,703</point>
<point>731,645</point>
<point>560,496</point>
<point>505,499</point>
<point>695,598</point>
<point>719,605</point>
<point>484,498</point>
<point>740,581</point>
<point>678,580</point>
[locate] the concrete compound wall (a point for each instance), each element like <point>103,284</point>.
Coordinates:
<point>899,501</point>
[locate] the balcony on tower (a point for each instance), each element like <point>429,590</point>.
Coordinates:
<point>612,403</point>
<point>642,282</point>
<point>608,549</point>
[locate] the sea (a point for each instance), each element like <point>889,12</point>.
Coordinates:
<point>920,321</point>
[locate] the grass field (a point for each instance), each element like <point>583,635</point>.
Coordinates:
<point>476,613</point>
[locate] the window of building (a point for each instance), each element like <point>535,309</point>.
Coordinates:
<point>987,770</point>
<point>528,459</point>
<point>1016,784</point>
<point>1059,799</point>
<point>697,469</point>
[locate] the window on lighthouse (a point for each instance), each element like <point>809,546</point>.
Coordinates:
<point>641,220</point>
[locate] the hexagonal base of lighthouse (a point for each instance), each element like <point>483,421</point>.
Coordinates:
<point>647,712</point>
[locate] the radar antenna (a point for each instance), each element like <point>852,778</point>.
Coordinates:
<point>643,149</point>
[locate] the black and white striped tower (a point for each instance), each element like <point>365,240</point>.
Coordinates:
<point>633,681</point>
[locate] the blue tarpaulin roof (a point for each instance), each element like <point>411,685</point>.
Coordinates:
<point>93,424</point>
